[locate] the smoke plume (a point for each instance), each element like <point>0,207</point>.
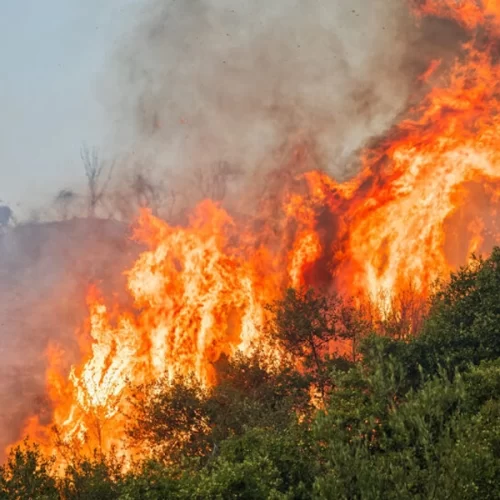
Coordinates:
<point>202,81</point>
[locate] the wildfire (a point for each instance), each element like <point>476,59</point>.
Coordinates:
<point>199,291</point>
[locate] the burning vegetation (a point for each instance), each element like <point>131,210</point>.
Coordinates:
<point>211,293</point>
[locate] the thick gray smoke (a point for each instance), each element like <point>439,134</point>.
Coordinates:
<point>207,80</point>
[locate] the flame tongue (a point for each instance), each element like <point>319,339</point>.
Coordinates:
<point>397,229</point>
<point>194,302</point>
<point>190,286</point>
<point>199,291</point>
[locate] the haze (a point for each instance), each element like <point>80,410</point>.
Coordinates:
<point>53,57</point>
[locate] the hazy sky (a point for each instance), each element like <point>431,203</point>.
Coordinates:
<point>53,55</point>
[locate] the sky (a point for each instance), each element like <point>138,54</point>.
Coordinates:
<point>54,56</point>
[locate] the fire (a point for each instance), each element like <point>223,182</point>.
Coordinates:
<point>469,14</point>
<point>199,291</point>
<point>195,298</point>
<point>411,183</point>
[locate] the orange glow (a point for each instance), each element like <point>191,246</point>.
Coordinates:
<point>199,291</point>
<point>468,13</point>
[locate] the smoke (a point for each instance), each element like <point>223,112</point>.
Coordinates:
<point>45,272</point>
<point>201,81</point>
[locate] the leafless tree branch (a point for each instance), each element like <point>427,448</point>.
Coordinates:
<point>94,169</point>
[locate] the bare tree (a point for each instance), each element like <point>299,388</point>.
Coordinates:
<point>213,182</point>
<point>146,192</point>
<point>403,314</point>
<point>63,200</point>
<point>94,170</point>
<point>170,204</point>
<point>155,196</point>
<point>6,217</point>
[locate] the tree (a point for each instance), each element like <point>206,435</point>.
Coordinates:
<point>180,419</point>
<point>213,182</point>
<point>405,313</point>
<point>171,419</point>
<point>151,480</point>
<point>304,322</point>
<point>146,193</point>
<point>441,441</point>
<point>261,463</point>
<point>28,474</point>
<point>353,324</point>
<point>464,320</point>
<point>94,170</point>
<point>94,477</point>
<point>463,324</point>
<point>250,395</point>
<point>6,216</point>
<point>63,200</point>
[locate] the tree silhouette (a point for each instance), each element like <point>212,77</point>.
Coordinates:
<point>63,200</point>
<point>6,217</point>
<point>94,170</point>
